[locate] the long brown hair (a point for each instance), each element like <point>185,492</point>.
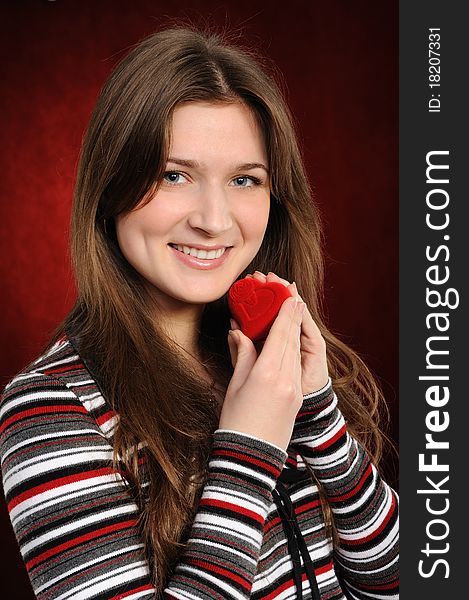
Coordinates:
<point>163,406</point>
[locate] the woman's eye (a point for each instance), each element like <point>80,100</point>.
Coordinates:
<point>245,181</point>
<point>172,177</point>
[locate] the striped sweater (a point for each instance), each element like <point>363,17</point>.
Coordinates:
<point>259,530</point>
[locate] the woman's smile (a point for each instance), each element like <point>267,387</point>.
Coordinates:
<point>201,258</point>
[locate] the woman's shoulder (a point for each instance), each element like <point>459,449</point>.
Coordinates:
<point>58,376</point>
<point>60,362</point>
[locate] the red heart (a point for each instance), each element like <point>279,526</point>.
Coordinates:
<point>255,305</point>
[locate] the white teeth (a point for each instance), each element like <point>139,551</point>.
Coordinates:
<point>204,254</point>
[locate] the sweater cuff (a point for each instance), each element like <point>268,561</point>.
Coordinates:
<point>250,460</point>
<point>317,401</point>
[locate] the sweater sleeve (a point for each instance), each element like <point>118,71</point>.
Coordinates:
<point>364,507</point>
<point>76,522</point>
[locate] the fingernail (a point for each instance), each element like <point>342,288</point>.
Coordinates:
<point>259,273</point>
<point>294,285</point>
<point>232,324</point>
<point>249,275</point>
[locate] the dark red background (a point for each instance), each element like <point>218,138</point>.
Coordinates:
<point>340,64</point>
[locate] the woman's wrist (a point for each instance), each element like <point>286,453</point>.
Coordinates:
<point>319,390</point>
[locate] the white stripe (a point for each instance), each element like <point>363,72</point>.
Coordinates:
<point>58,345</point>
<point>86,398</point>
<point>275,572</point>
<point>43,466</point>
<point>229,549</point>
<point>376,519</point>
<point>57,492</point>
<point>76,525</point>
<point>303,493</point>
<point>23,377</point>
<point>56,363</point>
<point>209,489</point>
<point>141,594</point>
<point>48,456</point>
<point>250,536</point>
<point>312,440</point>
<point>38,506</point>
<point>204,575</point>
<point>370,571</point>
<point>32,397</point>
<point>231,524</point>
<point>51,436</point>
<point>375,552</point>
<point>81,383</point>
<point>86,565</point>
<point>375,596</point>
<point>109,425</point>
<point>334,460</point>
<point>237,468</point>
<point>224,495</point>
<point>106,582</point>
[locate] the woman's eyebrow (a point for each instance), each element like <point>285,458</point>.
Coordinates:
<point>194,164</point>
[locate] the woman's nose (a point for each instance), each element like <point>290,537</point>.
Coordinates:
<point>212,213</point>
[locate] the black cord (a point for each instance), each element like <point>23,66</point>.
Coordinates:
<point>298,542</point>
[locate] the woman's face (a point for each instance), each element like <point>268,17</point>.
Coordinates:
<point>207,220</point>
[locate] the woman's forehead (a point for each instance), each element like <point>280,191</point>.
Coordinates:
<point>216,131</point>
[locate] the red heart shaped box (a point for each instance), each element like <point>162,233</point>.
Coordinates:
<point>255,305</point>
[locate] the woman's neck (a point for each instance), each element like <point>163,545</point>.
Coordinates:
<point>183,327</point>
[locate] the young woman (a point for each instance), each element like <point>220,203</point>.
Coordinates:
<point>153,450</point>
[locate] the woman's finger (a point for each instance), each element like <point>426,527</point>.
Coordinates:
<point>309,330</point>
<point>259,276</point>
<point>273,277</point>
<point>243,356</point>
<point>283,335</point>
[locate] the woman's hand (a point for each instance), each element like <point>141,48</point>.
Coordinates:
<point>265,392</point>
<point>314,371</point>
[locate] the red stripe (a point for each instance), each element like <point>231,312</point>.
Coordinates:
<point>72,367</point>
<point>355,490</point>
<point>55,483</point>
<point>41,410</point>
<point>377,531</point>
<point>290,582</point>
<point>324,569</point>
<point>233,508</point>
<point>143,588</point>
<point>106,417</point>
<point>32,450</point>
<point>271,523</point>
<point>309,412</point>
<point>244,458</point>
<point>298,510</point>
<point>79,540</point>
<point>223,572</point>
<point>303,507</point>
<point>333,439</point>
<point>281,588</point>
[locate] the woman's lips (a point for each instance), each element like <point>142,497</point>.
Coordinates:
<point>200,263</point>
